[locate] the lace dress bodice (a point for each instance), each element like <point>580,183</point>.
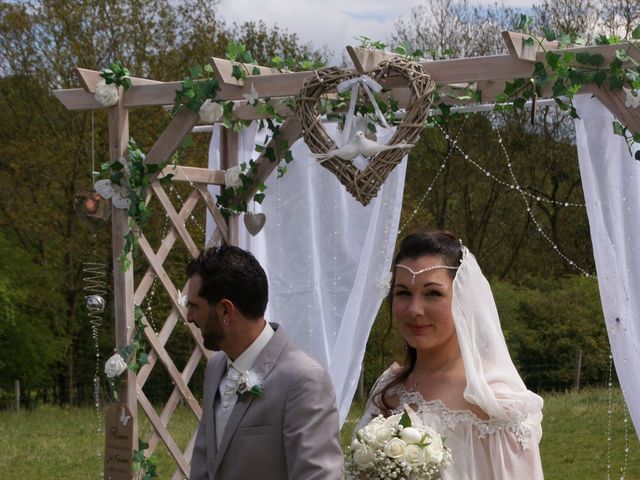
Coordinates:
<point>491,449</point>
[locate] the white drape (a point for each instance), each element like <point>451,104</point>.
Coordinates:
<point>326,257</point>
<point>611,184</point>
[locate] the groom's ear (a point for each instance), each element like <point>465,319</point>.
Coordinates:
<point>226,309</point>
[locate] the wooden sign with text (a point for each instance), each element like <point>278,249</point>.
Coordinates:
<point>118,447</point>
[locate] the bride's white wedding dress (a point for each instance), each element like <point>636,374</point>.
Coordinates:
<point>490,449</point>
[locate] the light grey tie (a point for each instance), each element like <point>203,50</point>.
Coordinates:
<point>228,387</point>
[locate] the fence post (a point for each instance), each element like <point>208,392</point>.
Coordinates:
<point>17,389</point>
<point>577,371</point>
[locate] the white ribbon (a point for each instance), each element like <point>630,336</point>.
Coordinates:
<point>368,84</point>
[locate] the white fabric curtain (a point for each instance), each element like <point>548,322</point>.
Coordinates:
<point>327,257</point>
<point>611,184</point>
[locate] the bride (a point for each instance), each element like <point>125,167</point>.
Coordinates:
<point>458,374</point>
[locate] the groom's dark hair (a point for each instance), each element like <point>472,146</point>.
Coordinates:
<point>232,273</point>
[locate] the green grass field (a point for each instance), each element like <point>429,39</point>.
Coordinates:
<point>57,443</point>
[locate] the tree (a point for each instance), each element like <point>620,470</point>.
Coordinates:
<point>449,28</point>
<point>45,150</point>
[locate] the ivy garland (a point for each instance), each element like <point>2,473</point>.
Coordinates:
<point>565,72</point>
<point>144,467</point>
<point>134,354</point>
<point>134,176</point>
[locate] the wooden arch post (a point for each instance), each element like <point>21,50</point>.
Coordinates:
<point>122,281</point>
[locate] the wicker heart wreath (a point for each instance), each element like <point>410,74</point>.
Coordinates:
<point>364,184</point>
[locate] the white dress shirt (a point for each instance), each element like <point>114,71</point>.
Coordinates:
<point>229,382</point>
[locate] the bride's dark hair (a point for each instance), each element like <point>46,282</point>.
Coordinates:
<point>433,242</point>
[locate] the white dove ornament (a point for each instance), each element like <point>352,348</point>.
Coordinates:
<point>359,145</point>
<point>369,148</point>
<point>349,151</point>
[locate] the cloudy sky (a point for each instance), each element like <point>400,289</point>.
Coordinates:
<point>333,23</point>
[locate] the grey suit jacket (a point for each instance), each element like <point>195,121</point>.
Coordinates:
<point>291,432</point>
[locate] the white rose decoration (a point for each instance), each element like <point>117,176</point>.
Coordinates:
<point>435,450</point>
<point>232,177</point>
<point>632,98</point>
<point>364,456</point>
<point>106,95</point>
<point>395,448</point>
<point>210,111</point>
<point>411,435</point>
<point>115,366</point>
<point>414,455</point>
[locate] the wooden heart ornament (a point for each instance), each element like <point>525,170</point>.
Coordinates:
<point>254,222</point>
<point>364,184</point>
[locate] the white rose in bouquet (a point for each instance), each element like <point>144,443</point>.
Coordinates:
<point>106,95</point>
<point>210,111</point>
<point>115,366</point>
<point>395,448</point>
<point>435,450</point>
<point>364,456</point>
<point>414,455</point>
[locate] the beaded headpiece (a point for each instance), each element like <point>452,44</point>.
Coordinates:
<point>414,273</point>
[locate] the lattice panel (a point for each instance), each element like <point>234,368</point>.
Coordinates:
<point>156,271</point>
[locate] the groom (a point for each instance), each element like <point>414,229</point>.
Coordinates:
<point>269,409</point>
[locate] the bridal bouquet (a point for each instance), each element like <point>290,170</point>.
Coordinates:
<point>399,447</point>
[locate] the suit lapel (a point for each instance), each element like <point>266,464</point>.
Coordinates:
<point>211,390</point>
<point>262,366</point>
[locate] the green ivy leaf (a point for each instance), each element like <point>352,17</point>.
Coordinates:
<point>635,34</point>
<point>552,59</point>
<point>549,35</point>
<point>599,78</point>
<point>405,420</point>
<point>596,60</point>
<point>618,128</point>
<point>583,57</point>
<point>519,103</point>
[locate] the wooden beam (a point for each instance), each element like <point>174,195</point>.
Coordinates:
<point>516,45</point>
<point>228,159</point>
<point>289,131</point>
<point>368,58</point>
<point>193,174</point>
<point>169,141</point>
<point>155,420</point>
<point>178,224</point>
<point>452,71</point>
<point>223,70</point>
<point>218,218</point>
<point>123,288</point>
<point>77,99</point>
<point>90,78</point>
<point>614,101</point>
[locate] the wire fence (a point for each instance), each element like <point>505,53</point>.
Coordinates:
<point>540,378</point>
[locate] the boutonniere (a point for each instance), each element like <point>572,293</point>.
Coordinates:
<point>249,383</point>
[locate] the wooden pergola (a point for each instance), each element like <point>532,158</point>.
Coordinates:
<point>487,74</point>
